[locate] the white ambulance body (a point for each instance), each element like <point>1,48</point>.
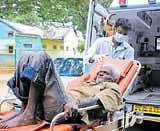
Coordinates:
<point>144,15</point>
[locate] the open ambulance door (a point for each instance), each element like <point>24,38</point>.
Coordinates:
<point>97,14</point>
<point>145,39</point>
<point>144,15</point>
<point>98,25</point>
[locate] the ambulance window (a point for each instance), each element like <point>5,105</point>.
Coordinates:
<point>143,15</point>
<point>157,43</point>
<point>100,27</point>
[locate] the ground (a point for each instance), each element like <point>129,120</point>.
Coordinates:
<point>4,77</point>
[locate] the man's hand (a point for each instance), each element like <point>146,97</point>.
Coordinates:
<point>71,109</point>
<point>98,58</point>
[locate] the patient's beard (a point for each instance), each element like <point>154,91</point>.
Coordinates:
<point>100,80</point>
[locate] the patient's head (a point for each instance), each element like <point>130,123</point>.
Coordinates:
<point>107,73</point>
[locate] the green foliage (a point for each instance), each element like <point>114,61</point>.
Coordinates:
<point>106,3</point>
<point>80,46</point>
<point>28,19</point>
<point>37,12</point>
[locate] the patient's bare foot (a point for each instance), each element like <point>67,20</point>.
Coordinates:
<point>8,116</point>
<point>20,120</point>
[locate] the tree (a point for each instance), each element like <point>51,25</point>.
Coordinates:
<point>37,12</point>
<point>80,46</point>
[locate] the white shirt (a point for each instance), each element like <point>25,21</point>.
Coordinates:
<point>104,46</point>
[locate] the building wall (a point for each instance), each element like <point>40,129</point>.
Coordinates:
<point>53,47</point>
<point>7,46</point>
<point>7,38</point>
<point>27,43</point>
<point>7,61</point>
<point>13,45</point>
<point>70,43</point>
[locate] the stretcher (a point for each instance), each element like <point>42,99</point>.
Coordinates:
<point>120,119</point>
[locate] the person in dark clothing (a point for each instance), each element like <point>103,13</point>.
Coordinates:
<point>42,93</point>
<point>38,87</point>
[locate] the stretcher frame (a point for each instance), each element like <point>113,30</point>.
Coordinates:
<point>128,119</point>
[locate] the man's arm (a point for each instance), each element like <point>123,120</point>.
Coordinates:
<point>71,107</point>
<point>100,49</point>
<point>90,101</point>
<point>110,97</point>
<point>91,51</point>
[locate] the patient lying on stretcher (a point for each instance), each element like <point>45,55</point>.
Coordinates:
<point>43,96</point>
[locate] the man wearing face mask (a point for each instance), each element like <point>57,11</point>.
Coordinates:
<point>115,46</point>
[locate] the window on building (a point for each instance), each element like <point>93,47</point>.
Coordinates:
<point>67,48</point>
<point>61,47</point>
<point>54,47</point>
<point>10,49</point>
<point>44,47</point>
<point>10,34</point>
<point>27,45</point>
<point>74,50</point>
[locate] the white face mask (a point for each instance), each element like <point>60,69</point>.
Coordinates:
<point>119,37</point>
<point>125,38</point>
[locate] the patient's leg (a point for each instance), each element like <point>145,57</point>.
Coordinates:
<point>26,117</point>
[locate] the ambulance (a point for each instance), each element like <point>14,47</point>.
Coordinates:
<point>144,95</point>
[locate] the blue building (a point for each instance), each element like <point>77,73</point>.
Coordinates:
<point>17,39</point>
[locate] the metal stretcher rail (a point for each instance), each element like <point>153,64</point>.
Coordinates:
<point>60,115</point>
